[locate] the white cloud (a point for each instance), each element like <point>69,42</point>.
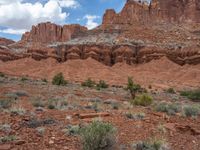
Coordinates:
<point>68,3</point>
<point>21,15</point>
<point>90,24</point>
<point>13,31</point>
<point>3,2</point>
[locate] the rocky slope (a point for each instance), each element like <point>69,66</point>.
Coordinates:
<point>6,42</point>
<point>140,33</point>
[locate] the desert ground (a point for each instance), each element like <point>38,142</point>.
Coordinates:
<point>30,121</point>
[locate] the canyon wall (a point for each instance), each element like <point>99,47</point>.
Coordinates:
<point>169,11</point>
<point>48,40</point>
<point>49,33</point>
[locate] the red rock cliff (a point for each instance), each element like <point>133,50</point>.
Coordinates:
<point>49,32</point>
<point>176,11</point>
<point>6,42</point>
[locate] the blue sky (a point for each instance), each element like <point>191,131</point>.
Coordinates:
<point>17,16</point>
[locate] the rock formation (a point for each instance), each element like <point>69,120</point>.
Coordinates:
<point>49,33</point>
<point>141,32</point>
<point>169,11</point>
<point>6,42</point>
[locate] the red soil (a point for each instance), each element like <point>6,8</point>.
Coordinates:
<point>158,73</point>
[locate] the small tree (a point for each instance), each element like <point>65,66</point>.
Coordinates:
<point>88,83</point>
<point>132,87</point>
<point>102,84</point>
<point>59,80</point>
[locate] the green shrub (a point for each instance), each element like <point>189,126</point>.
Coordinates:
<point>137,116</point>
<point>59,80</point>
<point>72,129</point>
<point>151,145</point>
<point>88,83</point>
<point>24,79</point>
<point>170,109</point>
<point>5,128</point>
<point>102,84</point>
<point>8,138</point>
<point>2,74</point>
<point>115,106</point>
<point>21,93</point>
<point>191,111</point>
<point>98,136</point>
<point>142,100</point>
<point>45,80</point>
<point>35,123</point>
<point>171,91</point>
<point>17,111</point>
<point>38,102</point>
<point>132,87</point>
<point>41,130</point>
<point>12,96</point>
<point>57,104</point>
<point>193,95</point>
<point>6,103</point>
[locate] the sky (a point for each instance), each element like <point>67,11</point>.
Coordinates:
<point>18,16</point>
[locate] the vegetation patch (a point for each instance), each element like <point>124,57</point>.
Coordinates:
<point>6,103</point>
<point>98,136</point>
<point>17,111</point>
<point>194,95</point>
<point>41,130</point>
<point>191,111</point>
<point>142,100</point>
<point>59,80</point>
<point>35,123</point>
<point>72,130</point>
<point>5,128</point>
<point>38,102</point>
<point>88,83</point>
<point>9,138</point>
<point>154,144</point>
<point>2,74</point>
<point>24,79</point>
<point>132,87</point>
<point>171,91</point>
<point>135,116</point>
<point>102,85</point>
<point>57,104</point>
<point>170,109</point>
<point>45,80</point>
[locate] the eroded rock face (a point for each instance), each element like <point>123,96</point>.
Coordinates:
<point>175,11</point>
<point>6,42</point>
<point>7,55</point>
<point>49,33</point>
<point>110,43</point>
<point>130,54</point>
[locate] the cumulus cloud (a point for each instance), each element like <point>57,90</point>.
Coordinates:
<point>68,3</point>
<point>13,31</point>
<point>20,15</point>
<point>90,24</point>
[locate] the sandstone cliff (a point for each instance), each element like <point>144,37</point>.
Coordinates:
<point>49,33</point>
<point>169,11</point>
<point>140,33</point>
<point>6,42</point>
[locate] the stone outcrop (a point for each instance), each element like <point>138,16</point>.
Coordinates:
<point>174,11</point>
<point>110,43</point>
<point>6,42</point>
<point>49,33</point>
<point>7,55</point>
